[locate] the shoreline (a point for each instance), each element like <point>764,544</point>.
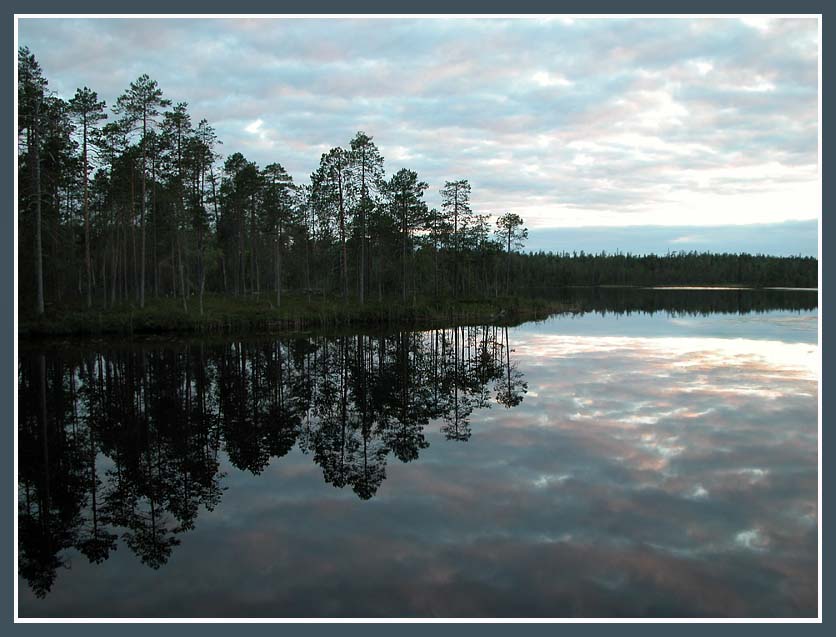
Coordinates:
<point>252,316</point>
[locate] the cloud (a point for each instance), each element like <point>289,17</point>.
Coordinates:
<point>612,122</point>
<point>253,127</point>
<point>688,239</point>
<point>544,78</point>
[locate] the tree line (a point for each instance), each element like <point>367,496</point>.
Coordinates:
<point>683,302</point>
<point>134,202</point>
<point>124,443</point>
<point>547,270</point>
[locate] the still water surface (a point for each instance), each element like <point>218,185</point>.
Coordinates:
<point>602,464</point>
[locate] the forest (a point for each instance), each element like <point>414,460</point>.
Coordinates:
<point>132,205</point>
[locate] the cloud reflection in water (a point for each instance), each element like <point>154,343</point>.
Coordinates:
<point>640,476</point>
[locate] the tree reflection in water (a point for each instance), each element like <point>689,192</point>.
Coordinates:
<point>124,442</point>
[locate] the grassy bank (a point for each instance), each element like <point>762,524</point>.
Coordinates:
<point>227,315</point>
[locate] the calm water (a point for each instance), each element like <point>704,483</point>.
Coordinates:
<point>602,464</point>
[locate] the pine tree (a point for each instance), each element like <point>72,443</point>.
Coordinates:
<point>455,202</point>
<point>406,195</point>
<point>368,173</point>
<point>89,111</point>
<point>509,229</point>
<point>141,104</point>
<point>31,92</point>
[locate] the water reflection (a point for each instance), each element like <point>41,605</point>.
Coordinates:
<point>647,465</point>
<point>127,442</point>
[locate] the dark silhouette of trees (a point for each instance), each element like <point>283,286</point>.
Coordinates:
<point>368,175</point>
<point>31,91</point>
<point>139,105</point>
<point>277,202</point>
<point>455,202</point>
<point>98,203</point>
<point>89,111</point>
<point>334,193</point>
<point>510,230</point>
<point>406,193</point>
<point>122,444</point>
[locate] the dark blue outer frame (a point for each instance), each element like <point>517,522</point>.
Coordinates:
<point>7,331</point>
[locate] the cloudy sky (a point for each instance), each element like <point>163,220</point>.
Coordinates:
<point>631,134</point>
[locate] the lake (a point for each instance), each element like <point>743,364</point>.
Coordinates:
<point>652,455</point>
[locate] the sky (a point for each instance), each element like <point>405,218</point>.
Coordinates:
<point>639,135</point>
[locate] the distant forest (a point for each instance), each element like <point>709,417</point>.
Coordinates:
<point>136,203</point>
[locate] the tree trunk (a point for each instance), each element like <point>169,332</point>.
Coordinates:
<point>125,296</point>
<point>456,245</point>
<point>35,154</point>
<point>403,255</point>
<point>87,262</point>
<point>133,233</point>
<point>114,273</point>
<point>307,262</point>
<point>182,277</point>
<point>200,268</point>
<point>104,280</point>
<point>142,216</point>
<point>279,267</point>
<point>215,207</point>
<point>256,287</point>
<point>414,284</point>
<point>379,274</point>
<point>173,270</point>
<point>508,268</point>
<point>363,197</point>
<point>240,286</point>
<point>223,273</point>
<point>344,262</point>
<point>154,216</point>
<point>435,269</point>
<point>202,287</point>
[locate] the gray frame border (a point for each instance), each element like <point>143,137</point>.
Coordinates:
<point>7,239</point>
